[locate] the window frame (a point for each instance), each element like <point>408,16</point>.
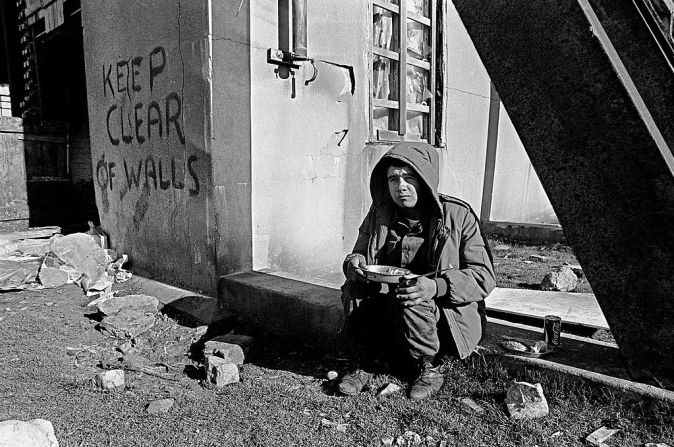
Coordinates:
<point>377,136</point>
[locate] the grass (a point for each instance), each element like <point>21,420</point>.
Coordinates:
<point>512,271</point>
<point>283,398</point>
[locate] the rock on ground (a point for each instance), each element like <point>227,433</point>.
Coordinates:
<point>128,322</point>
<point>561,279</point>
<point>221,372</point>
<point>526,401</point>
<point>230,352</point>
<point>34,433</point>
<point>245,342</point>
<point>160,406</point>
<point>389,388</point>
<point>145,303</point>
<point>110,379</point>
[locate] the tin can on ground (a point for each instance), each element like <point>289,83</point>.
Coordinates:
<point>552,330</point>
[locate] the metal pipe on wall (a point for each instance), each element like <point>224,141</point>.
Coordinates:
<point>299,27</point>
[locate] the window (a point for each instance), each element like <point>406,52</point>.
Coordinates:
<point>403,70</point>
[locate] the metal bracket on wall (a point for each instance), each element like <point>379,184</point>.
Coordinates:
<point>287,62</point>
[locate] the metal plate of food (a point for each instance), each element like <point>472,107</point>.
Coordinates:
<point>525,347</point>
<point>385,273</point>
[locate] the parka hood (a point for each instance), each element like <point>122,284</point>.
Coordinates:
<point>423,159</point>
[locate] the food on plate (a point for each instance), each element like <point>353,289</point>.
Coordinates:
<point>395,271</point>
<point>515,345</point>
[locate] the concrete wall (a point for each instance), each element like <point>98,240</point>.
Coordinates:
<point>309,154</point>
<point>148,90</point>
<point>13,193</point>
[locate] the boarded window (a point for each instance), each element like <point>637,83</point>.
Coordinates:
<point>403,69</point>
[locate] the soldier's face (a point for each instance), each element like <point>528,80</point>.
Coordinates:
<point>403,185</point>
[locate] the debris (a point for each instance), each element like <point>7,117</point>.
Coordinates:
<point>34,433</point>
<point>200,331</point>
<point>600,435</point>
<point>577,269</point>
<point>560,279</point>
<point>128,323</point>
<point>229,352</point>
<point>160,406</point>
<point>31,233</point>
<point>412,437</point>
<point>335,425</point>
<point>332,375</point>
<point>51,274</point>
<point>17,275</point>
<point>110,379</point>
<point>114,304</point>
<point>125,348</point>
<point>98,234</point>
<point>80,251</point>
<point>389,388</point>
<point>470,403</point>
<point>538,258</point>
<point>387,440</point>
<point>528,262</point>
<point>501,247</point>
<point>246,342</point>
<point>526,401</point>
<point>220,372</point>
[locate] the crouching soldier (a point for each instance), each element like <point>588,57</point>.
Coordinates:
<point>409,326</point>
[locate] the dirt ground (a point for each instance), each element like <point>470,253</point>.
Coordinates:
<point>51,349</point>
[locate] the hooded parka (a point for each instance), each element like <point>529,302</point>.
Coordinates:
<point>455,240</point>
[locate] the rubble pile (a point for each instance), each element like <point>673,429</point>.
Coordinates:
<point>43,257</point>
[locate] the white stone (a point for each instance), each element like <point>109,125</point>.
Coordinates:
<point>600,435</point>
<point>221,372</point>
<point>526,401</point>
<point>34,433</point>
<point>561,279</point>
<point>160,406</point>
<point>390,388</point>
<point>146,303</point>
<point>332,375</point>
<point>110,379</point>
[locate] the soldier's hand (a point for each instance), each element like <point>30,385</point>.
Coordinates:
<point>354,268</point>
<point>414,290</point>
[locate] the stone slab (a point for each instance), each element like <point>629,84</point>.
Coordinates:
<point>574,308</point>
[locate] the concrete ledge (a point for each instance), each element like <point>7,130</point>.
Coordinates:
<point>204,308</point>
<point>284,306</point>
<point>531,233</point>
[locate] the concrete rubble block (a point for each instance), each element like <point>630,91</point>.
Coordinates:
<point>246,342</point>
<point>600,436</point>
<point>128,323</point>
<point>560,279</point>
<point>34,433</point>
<point>160,406</point>
<point>221,372</point>
<point>227,351</point>
<point>111,379</point>
<point>389,388</point>
<point>526,401</point>
<point>145,303</point>
<point>81,252</point>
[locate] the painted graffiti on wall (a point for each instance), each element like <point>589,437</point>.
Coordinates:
<point>131,122</point>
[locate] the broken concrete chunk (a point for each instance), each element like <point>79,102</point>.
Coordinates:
<point>145,303</point>
<point>600,435</point>
<point>246,342</point>
<point>229,352</point>
<point>160,406</point>
<point>526,401</point>
<point>472,405</point>
<point>389,388</point>
<point>80,251</point>
<point>220,372</point>
<point>128,323</point>
<point>560,279</point>
<point>34,433</point>
<point>110,379</point>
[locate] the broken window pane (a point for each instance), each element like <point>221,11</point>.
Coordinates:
<point>385,29</point>
<point>384,78</point>
<point>417,123</point>
<point>418,41</point>
<point>417,85</point>
<point>419,7</point>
